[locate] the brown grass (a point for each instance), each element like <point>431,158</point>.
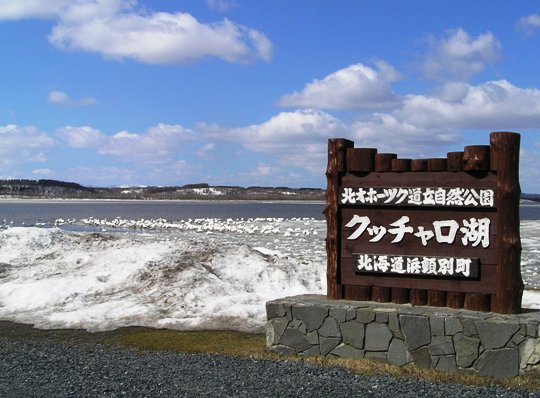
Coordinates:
<point>253,345</point>
<point>248,345</point>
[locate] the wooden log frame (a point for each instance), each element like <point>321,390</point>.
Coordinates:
<point>500,287</point>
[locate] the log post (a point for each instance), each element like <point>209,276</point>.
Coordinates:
<point>505,163</point>
<point>359,160</point>
<point>400,295</point>
<point>418,296</point>
<point>477,158</point>
<point>436,298</point>
<point>337,149</point>
<point>454,162</point>
<point>383,163</point>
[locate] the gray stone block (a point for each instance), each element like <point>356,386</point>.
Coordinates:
<point>378,337</point>
<point>298,324</point>
<point>415,330</point>
<point>393,322</point>
<point>421,357</point>
<point>313,317</point>
<point>275,310</point>
<point>347,351</point>
<point>529,353</point>
<point>468,327</point>
<point>329,328</point>
<point>365,315</point>
<point>398,354</point>
<point>498,363</point>
<point>446,363</point>
<point>327,344</point>
<point>519,337</point>
<point>352,333</point>
<point>339,314</point>
<point>532,330</point>
<point>495,334</point>
<point>313,337</point>
<point>437,326</point>
<point>351,314</point>
<point>377,355</point>
<point>381,317</point>
<point>283,350</point>
<point>466,349</point>
<point>441,345</point>
<point>275,329</point>
<point>294,339</point>
<point>453,326</point>
<point>310,352</point>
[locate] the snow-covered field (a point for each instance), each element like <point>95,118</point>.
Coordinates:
<point>194,274</point>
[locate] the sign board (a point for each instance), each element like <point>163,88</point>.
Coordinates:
<point>441,232</point>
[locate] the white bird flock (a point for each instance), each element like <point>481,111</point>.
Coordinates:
<point>266,226</point>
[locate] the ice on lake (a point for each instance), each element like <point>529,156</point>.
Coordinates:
<point>100,274</point>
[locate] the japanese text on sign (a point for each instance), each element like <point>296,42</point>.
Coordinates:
<point>475,231</point>
<point>447,197</point>
<point>416,265</point>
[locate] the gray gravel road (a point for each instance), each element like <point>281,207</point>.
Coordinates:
<point>49,369</point>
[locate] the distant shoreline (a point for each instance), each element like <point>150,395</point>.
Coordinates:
<point>113,200</point>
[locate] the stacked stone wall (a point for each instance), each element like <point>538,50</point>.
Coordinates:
<point>440,338</point>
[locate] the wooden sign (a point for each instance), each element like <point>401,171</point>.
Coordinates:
<point>440,232</point>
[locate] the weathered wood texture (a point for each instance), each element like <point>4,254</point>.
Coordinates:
<point>337,150</point>
<point>499,286</point>
<point>505,163</point>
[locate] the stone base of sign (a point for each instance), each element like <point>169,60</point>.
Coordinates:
<point>401,334</point>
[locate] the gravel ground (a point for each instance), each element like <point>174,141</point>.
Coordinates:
<point>44,368</point>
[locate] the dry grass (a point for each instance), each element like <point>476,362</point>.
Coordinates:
<point>248,345</point>
<point>253,345</point>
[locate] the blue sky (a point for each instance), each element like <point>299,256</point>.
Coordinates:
<point>247,92</point>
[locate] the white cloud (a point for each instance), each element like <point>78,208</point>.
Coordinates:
<point>221,5</point>
<point>61,98</point>
<point>158,144</point>
<point>81,137</point>
<point>529,25</point>
<point>42,172</point>
<point>295,138</point>
<point>459,56</point>
<point>121,29</point>
<point>356,87</point>
<point>19,9</point>
<point>529,170</point>
<point>491,105</point>
<point>17,140</point>
<point>389,133</point>
<point>206,152</point>
<point>155,38</point>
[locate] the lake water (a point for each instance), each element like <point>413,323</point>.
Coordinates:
<point>100,265</point>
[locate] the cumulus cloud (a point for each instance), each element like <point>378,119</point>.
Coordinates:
<point>22,145</point>
<point>159,143</point>
<point>294,138</point>
<point>355,87</point>
<point>389,133</point>
<point>81,137</point>
<point>529,25</point>
<point>120,29</point>
<point>26,140</point>
<point>61,98</point>
<point>458,56</point>
<point>490,105</point>
<point>19,9</point>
